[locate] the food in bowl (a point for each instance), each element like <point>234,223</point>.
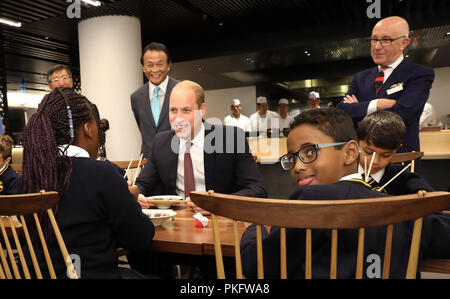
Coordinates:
<point>158,217</point>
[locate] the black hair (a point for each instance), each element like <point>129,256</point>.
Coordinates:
<point>331,121</point>
<point>57,122</point>
<point>57,68</point>
<point>154,46</point>
<point>384,129</point>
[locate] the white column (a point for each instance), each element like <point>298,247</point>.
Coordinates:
<point>110,50</point>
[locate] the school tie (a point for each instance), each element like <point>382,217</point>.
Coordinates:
<point>379,80</point>
<point>371,181</point>
<point>189,182</point>
<point>156,105</point>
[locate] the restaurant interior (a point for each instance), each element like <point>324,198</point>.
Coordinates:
<point>233,49</point>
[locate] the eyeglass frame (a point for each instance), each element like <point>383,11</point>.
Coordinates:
<point>56,80</point>
<point>316,148</point>
<point>383,40</point>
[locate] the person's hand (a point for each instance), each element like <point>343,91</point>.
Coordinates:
<point>143,201</point>
<point>196,208</point>
<point>134,190</point>
<point>421,193</point>
<point>383,104</point>
<point>350,99</point>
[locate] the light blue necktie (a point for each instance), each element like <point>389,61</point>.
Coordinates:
<point>155,105</point>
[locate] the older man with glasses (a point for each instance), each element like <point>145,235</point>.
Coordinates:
<point>394,84</point>
<point>59,76</point>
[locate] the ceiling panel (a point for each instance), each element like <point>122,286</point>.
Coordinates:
<point>228,43</point>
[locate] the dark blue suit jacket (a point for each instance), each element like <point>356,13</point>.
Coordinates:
<point>417,81</point>
<point>229,168</point>
<point>140,104</point>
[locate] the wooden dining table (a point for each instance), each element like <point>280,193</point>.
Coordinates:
<point>180,235</point>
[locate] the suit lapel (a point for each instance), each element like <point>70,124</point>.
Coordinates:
<point>371,81</point>
<point>165,106</point>
<point>209,163</point>
<point>393,79</point>
<point>172,160</point>
<point>146,103</point>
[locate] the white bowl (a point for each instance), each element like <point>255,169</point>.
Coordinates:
<point>158,217</point>
<point>164,201</point>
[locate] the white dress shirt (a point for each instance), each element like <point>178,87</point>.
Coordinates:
<point>197,157</point>
<point>387,72</point>
<point>162,91</point>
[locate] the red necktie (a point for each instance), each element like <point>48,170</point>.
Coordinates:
<point>189,182</point>
<point>379,80</point>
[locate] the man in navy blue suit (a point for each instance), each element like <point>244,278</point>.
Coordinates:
<point>394,84</point>
<point>220,155</point>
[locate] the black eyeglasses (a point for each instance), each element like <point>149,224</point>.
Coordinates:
<point>385,42</point>
<point>306,154</point>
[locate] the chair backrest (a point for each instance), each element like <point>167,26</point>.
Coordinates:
<point>405,157</point>
<point>321,214</point>
<point>18,206</point>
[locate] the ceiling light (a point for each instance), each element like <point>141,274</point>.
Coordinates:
<point>92,2</point>
<point>447,35</point>
<point>10,22</point>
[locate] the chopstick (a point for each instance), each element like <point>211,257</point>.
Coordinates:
<point>399,173</point>
<point>365,168</point>
<point>370,167</point>
<point>137,170</point>
<point>126,172</point>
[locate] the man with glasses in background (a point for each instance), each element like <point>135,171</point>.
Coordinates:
<point>59,76</point>
<point>394,84</point>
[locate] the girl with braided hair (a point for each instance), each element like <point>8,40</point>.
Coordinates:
<point>96,213</point>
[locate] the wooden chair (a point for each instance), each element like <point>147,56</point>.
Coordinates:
<point>433,266</point>
<point>405,157</point>
<point>321,214</point>
<point>27,204</point>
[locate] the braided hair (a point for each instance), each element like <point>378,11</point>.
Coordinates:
<point>57,122</point>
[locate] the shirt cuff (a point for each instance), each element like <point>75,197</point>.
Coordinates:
<point>372,107</point>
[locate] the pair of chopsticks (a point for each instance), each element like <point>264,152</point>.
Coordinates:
<point>137,171</point>
<point>367,172</point>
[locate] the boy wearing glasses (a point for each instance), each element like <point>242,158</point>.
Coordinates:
<point>394,84</point>
<point>382,133</point>
<point>323,159</point>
